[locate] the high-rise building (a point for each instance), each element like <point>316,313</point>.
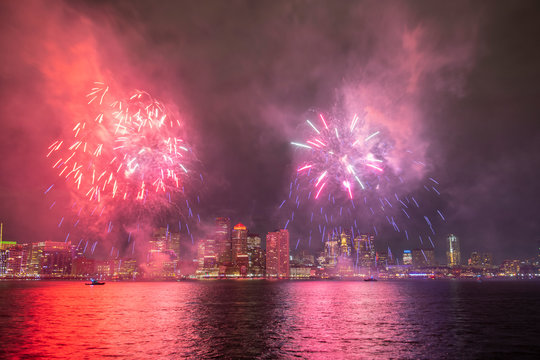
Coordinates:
<point>366,251</point>
<point>223,240</point>
<point>277,254</point>
<point>210,254</point>
<point>345,245</point>
<point>382,260</point>
<point>239,242</point>
<point>453,254</point>
<point>331,252</point>
<point>255,255</point>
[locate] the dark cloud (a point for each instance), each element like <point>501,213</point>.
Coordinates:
<point>455,81</point>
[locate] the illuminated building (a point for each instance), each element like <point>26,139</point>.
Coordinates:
<point>34,260</point>
<point>277,254</point>
<point>3,262</point>
<point>83,267</point>
<point>239,243</point>
<point>17,260</point>
<point>344,246</point>
<point>223,240</point>
<point>159,240</point>
<point>366,251</point>
<point>381,260</point>
<point>475,259</point>
<point>255,256</point>
<point>453,255</point>
<point>480,259</point>
<point>200,254</point>
<point>174,243</point>
<point>487,259</point>
<point>407,257</point>
<point>423,258</point>
<point>300,272</point>
<point>55,258</point>
<point>510,267</point>
<point>126,268</point>
<point>331,252</point>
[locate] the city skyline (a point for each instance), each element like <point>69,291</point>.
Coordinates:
<point>483,158</point>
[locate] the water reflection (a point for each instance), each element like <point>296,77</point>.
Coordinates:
<point>262,319</point>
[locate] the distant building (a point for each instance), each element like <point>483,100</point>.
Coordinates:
<point>366,251</point>
<point>423,258</point>
<point>15,260</point>
<point>345,245</point>
<point>223,240</point>
<point>256,258</point>
<point>83,267</point>
<point>453,254</point>
<point>55,258</point>
<point>331,253</point>
<point>277,254</point>
<point>407,257</point>
<point>239,246</point>
<point>475,259</point>
<point>510,267</point>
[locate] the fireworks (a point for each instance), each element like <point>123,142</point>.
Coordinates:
<point>342,155</point>
<point>351,177</point>
<point>125,160</point>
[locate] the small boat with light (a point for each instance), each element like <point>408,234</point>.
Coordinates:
<point>95,282</point>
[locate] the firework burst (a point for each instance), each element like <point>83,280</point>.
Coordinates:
<point>351,177</point>
<point>124,161</point>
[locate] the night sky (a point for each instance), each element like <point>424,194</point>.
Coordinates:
<point>457,81</point>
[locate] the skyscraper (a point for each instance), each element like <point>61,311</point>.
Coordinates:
<point>239,241</point>
<point>453,255</point>
<point>365,251</point>
<point>255,255</point>
<point>223,240</point>
<point>277,254</point>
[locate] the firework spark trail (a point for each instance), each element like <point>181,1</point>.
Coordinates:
<point>126,160</point>
<point>349,165</point>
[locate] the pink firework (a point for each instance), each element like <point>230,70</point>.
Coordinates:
<point>341,155</point>
<point>127,156</point>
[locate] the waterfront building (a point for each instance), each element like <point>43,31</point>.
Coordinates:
<point>56,258</point>
<point>510,267</point>
<point>453,254</point>
<point>83,267</point>
<point>277,254</point>
<point>17,259</point>
<point>407,257</point>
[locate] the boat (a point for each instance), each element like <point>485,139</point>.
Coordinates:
<point>95,282</point>
<point>370,279</point>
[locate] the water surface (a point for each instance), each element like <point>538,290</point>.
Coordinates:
<point>270,319</point>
